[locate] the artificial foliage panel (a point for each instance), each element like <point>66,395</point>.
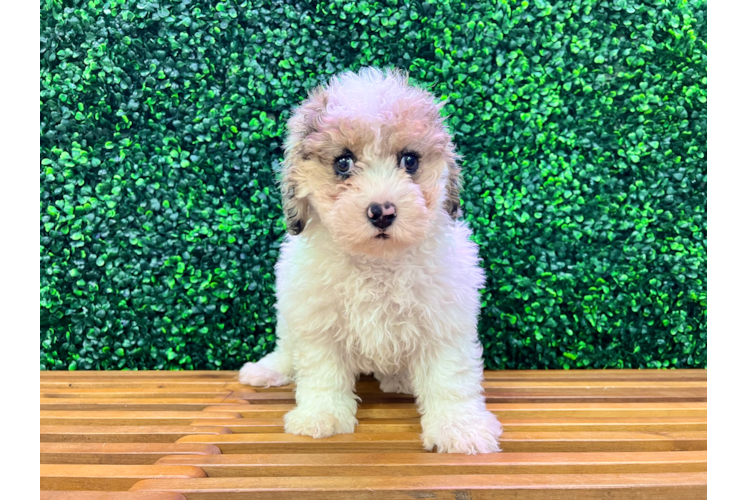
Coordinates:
<point>583,130</point>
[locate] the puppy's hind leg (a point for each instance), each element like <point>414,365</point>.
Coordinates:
<point>271,371</point>
<point>398,382</point>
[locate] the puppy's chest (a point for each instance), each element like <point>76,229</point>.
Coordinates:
<point>383,312</point>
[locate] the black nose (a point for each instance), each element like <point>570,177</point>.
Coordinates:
<point>381,216</point>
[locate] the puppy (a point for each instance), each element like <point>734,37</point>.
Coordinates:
<point>378,275</point>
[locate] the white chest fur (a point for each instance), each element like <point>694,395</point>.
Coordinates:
<point>380,312</point>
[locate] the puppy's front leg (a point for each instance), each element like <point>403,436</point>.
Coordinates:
<point>325,401</point>
<point>454,418</point>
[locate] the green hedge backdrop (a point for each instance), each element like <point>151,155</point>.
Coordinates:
<point>582,124</point>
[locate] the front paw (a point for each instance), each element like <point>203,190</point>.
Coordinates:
<point>257,375</point>
<point>318,423</point>
<point>467,432</point>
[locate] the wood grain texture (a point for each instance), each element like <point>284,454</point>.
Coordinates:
<point>513,410</point>
<point>681,485</point>
<point>554,395</point>
<point>118,453</point>
<point>597,374</point>
<point>654,424</point>
<point>128,417</point>
<point>362,386</point>
<point>202,435</point>
<point>139,375</point>
<point>109,477</point>
<point>628,373</point>
<point>133,404</point>
<point>124,383</point>
<point>123,434</point>
<point>111,495</point>
<point>416,464</point>
<point>138,393</point>
<point>368,386</point>
<point>411,442</point>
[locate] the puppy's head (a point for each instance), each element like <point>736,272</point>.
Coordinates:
<point>369,157</point>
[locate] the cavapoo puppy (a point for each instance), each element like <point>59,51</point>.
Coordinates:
<point>378,275</point>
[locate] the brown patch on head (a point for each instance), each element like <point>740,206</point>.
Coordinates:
<point>303,122</point>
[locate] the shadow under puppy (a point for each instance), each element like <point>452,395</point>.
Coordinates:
<point>378,275</point>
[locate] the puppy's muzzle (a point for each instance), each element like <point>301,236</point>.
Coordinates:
<point>382,216</point>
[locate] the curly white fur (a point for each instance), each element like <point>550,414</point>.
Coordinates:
<point>404,308</point>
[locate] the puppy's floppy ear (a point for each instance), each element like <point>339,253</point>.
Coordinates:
<point>453,188</point>
<point>302,122</point>
<point>454,172</point>
<point>295,209</point>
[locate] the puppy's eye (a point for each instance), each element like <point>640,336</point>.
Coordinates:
<point>343,165</point>
<point>409,162</point>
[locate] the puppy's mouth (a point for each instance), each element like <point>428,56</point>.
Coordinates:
<point>382,236</point>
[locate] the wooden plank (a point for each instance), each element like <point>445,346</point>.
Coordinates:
<point>123,434</point>
<point>574,395</point>
<point>137,374</point>
<point>568,434</point>
<point>119,383</point>
<point>582,374</point>
<point>118,453</point>
<point>257,425</point>
<point>111,495</point>
<point>417,464</point>
<point>361,386</point>
<point>275,425</point>
<point>515,392</point>
<point>278,410</point>
<point>411,442</point>
<point>601,441</point>
<point>136,404</point>
<point>109,477</point>
<point>531,395</point>
<point>550,398</point>
<point>137,393</point>
<point>365,387</point>
<point>493,388</point>
<point>607,374</point>
<point>73,417</point>
<point>502,410</point>
<point>289,443</point>
<point>571,383</point>
<point>289,398</point>
<point>681,485</point>
<point>640,424</point>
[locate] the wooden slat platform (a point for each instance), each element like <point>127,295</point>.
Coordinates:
<point>202,435</point>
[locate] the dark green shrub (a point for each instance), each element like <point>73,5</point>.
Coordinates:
<point>583,130</point>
